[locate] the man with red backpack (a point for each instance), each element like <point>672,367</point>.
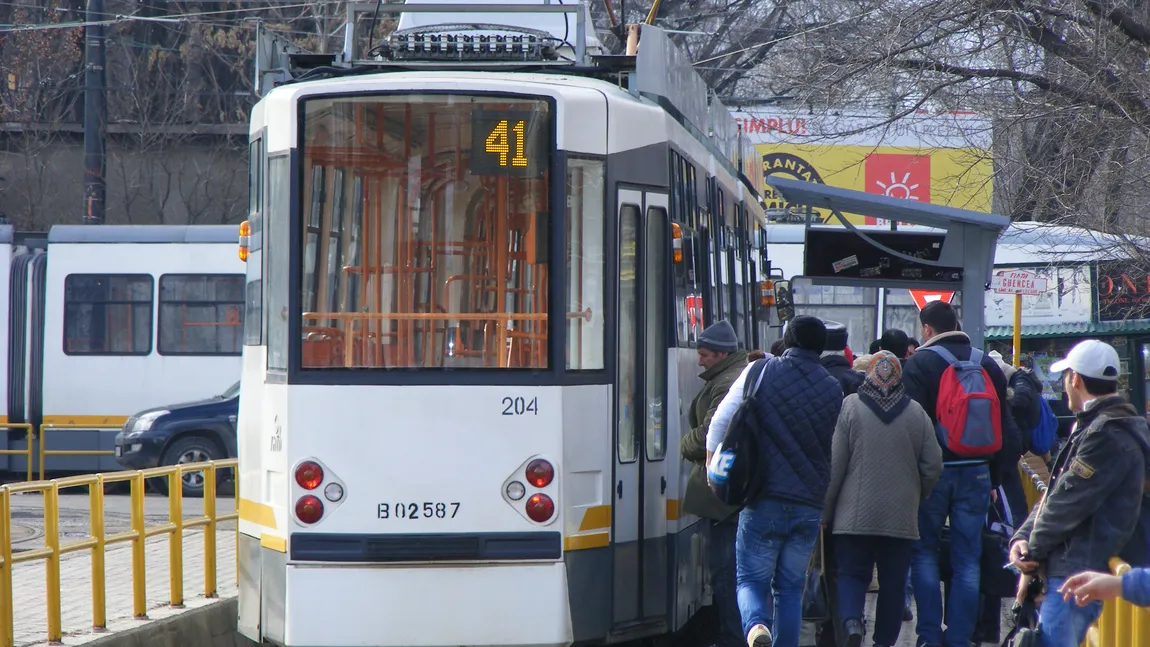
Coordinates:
<point>964,393</point>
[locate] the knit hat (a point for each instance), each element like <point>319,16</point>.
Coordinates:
<point>806,332</point>
<point>895,341</point>
<point>836,336</point>
<point>719,337</point>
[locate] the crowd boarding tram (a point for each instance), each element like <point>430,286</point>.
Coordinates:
<point>474,292</point>
<point>107,320</point>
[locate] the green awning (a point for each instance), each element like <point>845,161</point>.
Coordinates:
<point>1078,329</point>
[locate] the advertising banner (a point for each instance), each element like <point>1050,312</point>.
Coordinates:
<point>941,159</point>
<point>1067,299</point>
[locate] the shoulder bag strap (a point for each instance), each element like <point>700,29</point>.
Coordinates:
<point>754,378</point>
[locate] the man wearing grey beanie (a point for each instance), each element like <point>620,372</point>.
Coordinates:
<point>722,362</point>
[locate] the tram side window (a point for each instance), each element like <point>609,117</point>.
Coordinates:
<point>201,314</point>
<point>276,248</point>
<point>688,299</point>
<point>253,294</point>
<point>586,261</point>
<point>629,400</point>
<point>655,273</point>
<point>253,312</point>
<point>108,314</point>
<point>255,176</point>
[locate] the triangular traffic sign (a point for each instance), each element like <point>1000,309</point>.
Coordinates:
<point>923,297</point>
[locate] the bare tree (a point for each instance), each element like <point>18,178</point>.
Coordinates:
<point>37,96</point>
<point>1064,81</point>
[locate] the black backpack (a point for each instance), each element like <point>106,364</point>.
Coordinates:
<point>734,473</point>
<point>1026,624</point>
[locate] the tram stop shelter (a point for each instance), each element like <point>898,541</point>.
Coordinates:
<point>959,258</point>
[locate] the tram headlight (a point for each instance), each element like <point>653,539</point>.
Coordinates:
<point>333,492</point>
<point>309,509</point>
<point>309,475</point>
<point>540,473</point>
<point>515,490</point>
<point>540,508</point>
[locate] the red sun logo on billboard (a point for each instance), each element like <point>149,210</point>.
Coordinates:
<point>898,176</point>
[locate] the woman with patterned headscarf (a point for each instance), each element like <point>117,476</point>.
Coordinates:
<point>884,462</point>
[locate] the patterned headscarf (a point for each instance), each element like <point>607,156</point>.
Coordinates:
<point>882,390</point>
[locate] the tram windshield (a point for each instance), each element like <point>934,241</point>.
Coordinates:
<point>424,231</point>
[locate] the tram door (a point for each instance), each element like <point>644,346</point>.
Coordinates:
<point>639,523</point>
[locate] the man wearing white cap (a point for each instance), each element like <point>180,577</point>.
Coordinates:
<point>1091,508</point>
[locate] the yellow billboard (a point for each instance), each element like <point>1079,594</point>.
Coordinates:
<point>922,162</point>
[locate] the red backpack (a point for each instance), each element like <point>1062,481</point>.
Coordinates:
<point>968,414</point>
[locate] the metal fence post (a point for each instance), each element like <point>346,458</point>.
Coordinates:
<point>7,628</point>
<point>176,538</point>
<point>96,528</point>
<point>52,564</point>
<point>139,584</point>
<point>210,532</point>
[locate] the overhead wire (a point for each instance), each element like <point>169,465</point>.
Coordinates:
<point>133,17</point>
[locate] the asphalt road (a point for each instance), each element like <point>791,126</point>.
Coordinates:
<point>28,514</point>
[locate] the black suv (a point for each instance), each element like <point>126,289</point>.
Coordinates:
<point>181,433</point>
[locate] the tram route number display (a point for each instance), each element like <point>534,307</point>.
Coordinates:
<point>509,142</point>
<point>424,510</point>
<point>520,406</point>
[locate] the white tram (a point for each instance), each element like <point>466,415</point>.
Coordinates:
<point>473,300</point>
<point>105,321</point>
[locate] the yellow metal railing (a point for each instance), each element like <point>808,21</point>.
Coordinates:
<point>97,541</point>
<point>69,452</point>
<point>1121,623</point>
<point>26,452</point>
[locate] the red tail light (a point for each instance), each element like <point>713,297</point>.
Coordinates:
<point>540,473</point>
<point>309,509</point>
<point>540,507</point>
<point>309,475</point>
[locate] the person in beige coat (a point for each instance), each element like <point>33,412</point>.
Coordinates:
<point>884,461</point>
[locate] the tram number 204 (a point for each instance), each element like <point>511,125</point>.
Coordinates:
<point>520,406</point>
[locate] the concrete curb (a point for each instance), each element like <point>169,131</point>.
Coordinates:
<point>211,625</point>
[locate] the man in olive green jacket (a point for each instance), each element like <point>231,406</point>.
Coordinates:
<point>722,361</point>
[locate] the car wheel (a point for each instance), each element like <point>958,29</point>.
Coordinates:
<point>192,449</point>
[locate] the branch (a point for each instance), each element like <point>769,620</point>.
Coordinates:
<point>1040,82</point>
<point>1133,29</point>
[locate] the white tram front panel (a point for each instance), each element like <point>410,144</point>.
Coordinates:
<point>416,513</point>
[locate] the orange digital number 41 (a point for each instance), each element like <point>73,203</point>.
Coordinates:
<point>497,143</point>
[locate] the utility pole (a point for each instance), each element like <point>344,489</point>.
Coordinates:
<point>95,115</point>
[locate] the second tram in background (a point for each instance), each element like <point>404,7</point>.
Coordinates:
<point>474,296</point>
<point>105,321</point>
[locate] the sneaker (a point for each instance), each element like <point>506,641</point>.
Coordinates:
<point>759,636</point>
<point>854,633</point>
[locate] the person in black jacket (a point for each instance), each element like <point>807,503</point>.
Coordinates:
<point>962,493</point>
<point>1096,492</point>
<point>835,360</point>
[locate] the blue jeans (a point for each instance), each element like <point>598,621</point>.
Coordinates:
<point>963,495</point>
<point>722,557</point>
<point>773,550</point>
<point>1064,623</point>
<point>857,556</point>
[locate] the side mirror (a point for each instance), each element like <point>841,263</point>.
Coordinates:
<point>784,301</point>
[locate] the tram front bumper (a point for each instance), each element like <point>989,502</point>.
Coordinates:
<point>428,606</point>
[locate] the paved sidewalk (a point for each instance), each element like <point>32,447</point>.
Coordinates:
<point>30,616</point>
